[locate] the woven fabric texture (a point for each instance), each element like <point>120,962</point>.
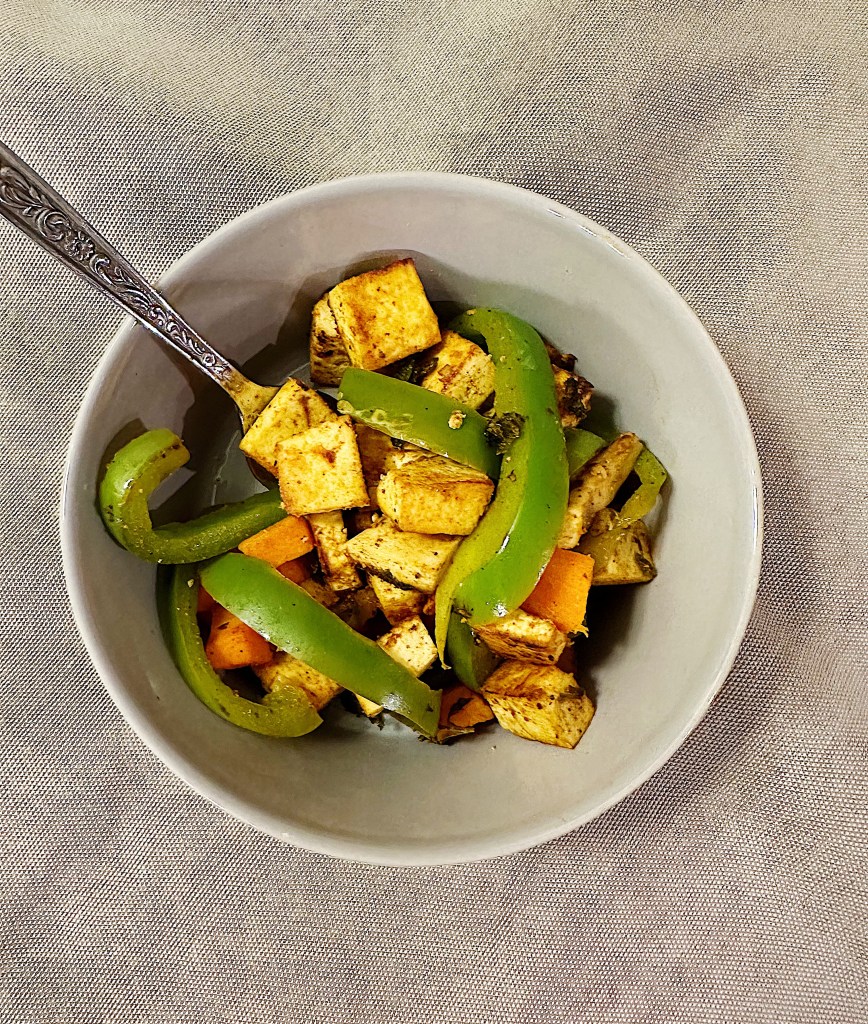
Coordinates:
<point>727,143</point>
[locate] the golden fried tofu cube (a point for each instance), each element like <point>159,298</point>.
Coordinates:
<point>384,315</point>
<point>621,554</point>
<point>368,707</point>
<point>319,470</point>
<point>374,448</point>
<point>539,703</point>
<point>328,353</point>
<point>574,396</point>
<point>285,671</point>
<point>415,560</point>
<point>435,495</point>
<point>397,603</point>
<point>596,486</point>
<point>521,636</point>
<point>461,369</point>
<point>294,409</point>
<point>330,538</point>
<point>410,644</point>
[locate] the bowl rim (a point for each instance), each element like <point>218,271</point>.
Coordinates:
<point>431,853</point>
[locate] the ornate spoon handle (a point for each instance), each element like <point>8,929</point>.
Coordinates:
<point>35,208</point>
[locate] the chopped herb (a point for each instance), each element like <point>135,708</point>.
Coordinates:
<point>575,397</point>
<point>503,430</point>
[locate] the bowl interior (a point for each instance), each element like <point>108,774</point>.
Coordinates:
<point>659,652</point>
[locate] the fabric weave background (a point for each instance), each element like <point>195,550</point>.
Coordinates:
<point>727,143</point>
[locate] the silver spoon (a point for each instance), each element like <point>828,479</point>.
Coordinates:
<point>34,207</point>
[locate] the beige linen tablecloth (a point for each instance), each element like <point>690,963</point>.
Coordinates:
<point>727,143</point>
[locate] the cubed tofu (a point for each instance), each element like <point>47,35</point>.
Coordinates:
<point>374,448</point>
<point>435,495</point>
<point>320,470</point>
<point>596,486</point>
<point>414,560</point>
<point>621,554</point>
<point>461,369</point>
<point>368,707</point>
<point>330,537</point>
<point>397,603</point>
<point>539,703</point>
<point>285,671</point>
<point>328,353</point>
<point>574,397</point>
<point>384,315</point>
<point>521,636</point>
<point>410,644</point>
<point>293,410</point>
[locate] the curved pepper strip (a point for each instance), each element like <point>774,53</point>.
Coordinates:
<point>292,620</point>
<point>418,416</point>
<point>285,713</point>
<point>130,479</point>
<point>652,476</point>
<point>499,564</point>
<point>470,659</point>
<point>581,446</point>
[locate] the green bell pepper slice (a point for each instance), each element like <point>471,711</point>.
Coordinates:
<point>418,416</point>
<point>130,479</point>
<point>284,713</point>
<point>652,476</point>
<point>470,659</point>
<point>581,446</point>
<point>293,621</point>
<point>499,564</point>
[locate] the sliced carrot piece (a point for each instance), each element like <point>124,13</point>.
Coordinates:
<point>561,596</point>
<point>233,644</point>
<point>296,570</point>
<point>461,708</point>
<point>285,541</point>
<point>204,602</point>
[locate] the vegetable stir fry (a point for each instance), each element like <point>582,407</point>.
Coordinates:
<point>432,538</point>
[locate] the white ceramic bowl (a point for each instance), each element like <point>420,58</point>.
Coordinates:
<point>383,796</point>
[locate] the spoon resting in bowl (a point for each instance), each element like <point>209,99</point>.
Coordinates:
<point>29,203</point>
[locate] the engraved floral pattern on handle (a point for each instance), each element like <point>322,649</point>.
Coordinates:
<point>67,236</point>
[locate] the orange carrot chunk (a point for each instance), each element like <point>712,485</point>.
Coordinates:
<point>296,570</point>
<point>204,602</point>
<point>561,596</point>
<point>461,708</point>
<point>233,644</point>
<point>285,541</point>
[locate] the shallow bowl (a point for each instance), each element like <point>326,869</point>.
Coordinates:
<point>658,654</point>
